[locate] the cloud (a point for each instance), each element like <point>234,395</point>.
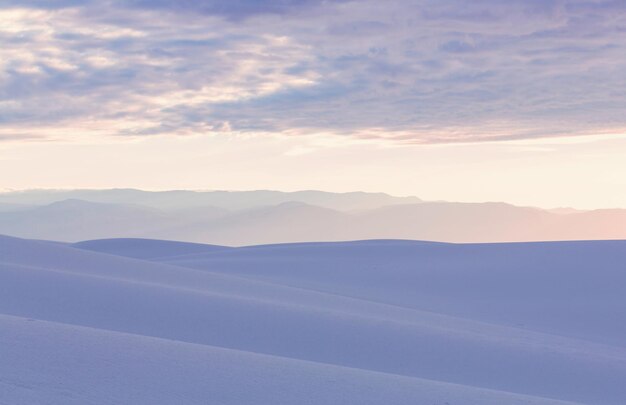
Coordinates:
<point>404,71</point>
<point>233,9</point>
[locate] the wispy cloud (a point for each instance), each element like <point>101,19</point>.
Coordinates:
<point>404,71</point>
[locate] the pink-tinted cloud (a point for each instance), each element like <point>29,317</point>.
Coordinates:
<point>415,71</point>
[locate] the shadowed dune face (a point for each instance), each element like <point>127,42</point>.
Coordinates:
<point>476,324</point>
<point>147,248</point>
<point>527,285</point>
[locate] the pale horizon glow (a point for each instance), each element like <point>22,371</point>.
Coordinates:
<point>579,172</point>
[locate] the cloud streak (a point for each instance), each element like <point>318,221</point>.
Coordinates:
<point>401,71</point>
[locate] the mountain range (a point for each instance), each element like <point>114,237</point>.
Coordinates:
<point>262,217</point>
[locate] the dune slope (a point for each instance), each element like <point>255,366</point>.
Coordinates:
<point>283,340</point>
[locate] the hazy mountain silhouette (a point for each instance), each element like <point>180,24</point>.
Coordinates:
<point>235,200</point>
<point>246,218</point>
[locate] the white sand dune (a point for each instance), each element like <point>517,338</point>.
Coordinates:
<point>52,363</point>
<point>361,322</point>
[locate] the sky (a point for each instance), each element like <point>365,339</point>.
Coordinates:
<point>521,101</point>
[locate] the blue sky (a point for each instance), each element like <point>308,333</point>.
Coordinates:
<point>313,75</point>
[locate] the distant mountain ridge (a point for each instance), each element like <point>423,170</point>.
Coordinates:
<point>262,217</point>
<point>183,199</point>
